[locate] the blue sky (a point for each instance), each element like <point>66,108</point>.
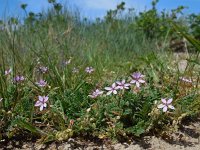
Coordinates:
<point>94,8</point>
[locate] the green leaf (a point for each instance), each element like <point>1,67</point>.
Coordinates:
<point>29,127</point>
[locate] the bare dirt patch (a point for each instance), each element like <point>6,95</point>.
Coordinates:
<point>186,138</point>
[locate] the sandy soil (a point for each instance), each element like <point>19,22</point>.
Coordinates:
<point>187,138</point>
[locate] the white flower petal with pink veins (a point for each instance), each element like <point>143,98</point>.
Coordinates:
<point>161,106</point>
<point>126,86</point>
<point>171,107</point>
<point>99,92</point>
<point>45,104</point>
<point>41,107</point>
<point>108,88</point>
<point>45,98</point>
<point>114,85</point>
<point>114,92</point>
<point>119,87</point>
<point>40,98</point>
<point>133,81</point>
<point>138,84</point>
<point>165,109</point>
<point>123,81</point>
<point>141,81</point>
<point>164,100</point>
<point>169,101</point>
<point>38,103</point>
<point>108,93</point>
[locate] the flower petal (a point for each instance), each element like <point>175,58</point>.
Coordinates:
<point>114,92</point>
<point>126,87</point>
<point>38,103</point>
<point>164,100</point>
<point>133,81</point>
<point>45,105</point>
<point>164,108</point>
<point>169,101</point>
<point>46,98</point>
<point>100,92</point>
<point>127,84</point>
<point>108,93</point>
<point>113,85</point>
<point>41,107</point>
<point>138,84</point>
<point>161,106</point>
<point>119,87</point>
<point>171,107</point>
<point>108,88</point>
<point>40,98</point>
<point>141,81</point>
<point>118,82</point>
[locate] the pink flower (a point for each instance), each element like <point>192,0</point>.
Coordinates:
<point>166,104</point>
<point>7,72</point>
<point>96,93</point>
<point>43,69</point>
<point>68,62</point>
<point>75,70</point>
<point>19,79</point>
<point>123,85</point>
<point>137,78</point>
<point>112,89</point>
<point>42,102</point>
<point>89,69</point>
<point>185,80</point>
<point>41,83</point>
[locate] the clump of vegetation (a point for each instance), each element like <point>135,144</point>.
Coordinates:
<point>63,77</point>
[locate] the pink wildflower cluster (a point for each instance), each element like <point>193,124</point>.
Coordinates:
<point>19,79</point>
<point>136,78</point>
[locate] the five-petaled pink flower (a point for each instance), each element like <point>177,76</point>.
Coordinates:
<point>41,83</point>
<point>75,70</point>
<point>7,72</point>
<point>89,69</point>
<point>68,62</point>
<point>42,102</point>
<point>137,78</point>
<point>96,93</point>
<point>43,69</point>
<point>122,85</point>
<point>112,89</point>
<point>185,80</point>
<point>19,79</point>
<point>166,104</point>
